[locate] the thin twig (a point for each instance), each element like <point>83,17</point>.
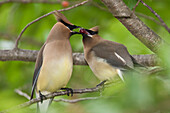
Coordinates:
<point>136,5</point>
<point>19,37</point>
<point>160,19</point>
<point>21,93</point>
<point>76,100</point>
<point>74,6</point>
<point>148,17</point>
<point>29,1</point>
<point>75,91</point>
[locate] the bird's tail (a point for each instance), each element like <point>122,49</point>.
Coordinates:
<point>120,74</point>
<point>43,107</point>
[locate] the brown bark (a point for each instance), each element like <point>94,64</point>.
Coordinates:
<point>134,24</point>
<point>78,58</point>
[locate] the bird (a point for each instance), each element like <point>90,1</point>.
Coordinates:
<point>107,59</point>
<point>54,63</point>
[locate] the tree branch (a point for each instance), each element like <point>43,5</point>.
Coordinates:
<point>134,24</point>
<point>19,37</point>
<point>75,91</point>
<point>30,1</point>
<point>75,100</point>
<point>160,19</point>
<point>21,93</point>
<point>18,54</point>
<point>78,58</point>
<point>147,59</point>
<point>137,13</point>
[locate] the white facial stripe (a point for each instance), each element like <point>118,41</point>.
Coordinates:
<point>89,36</point>
<point>68,27</point>
<point>119,57</point>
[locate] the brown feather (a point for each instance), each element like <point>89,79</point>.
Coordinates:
<point>59,16</point>
<point>59,33</point>
<point>107,51</point>
<point>105,57</point>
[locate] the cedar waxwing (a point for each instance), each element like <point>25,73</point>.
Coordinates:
<point>54,62</point>
<point>105,58</point>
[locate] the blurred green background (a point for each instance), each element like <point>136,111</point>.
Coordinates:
<point>140,94</point>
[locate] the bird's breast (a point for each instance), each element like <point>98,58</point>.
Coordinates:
<point>54,75</point>
<point>100,67</point>
<point>57,67</point>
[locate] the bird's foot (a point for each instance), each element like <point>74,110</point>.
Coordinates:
<point>41,96</point>
<point>69,91</point>
<point>101,84</point>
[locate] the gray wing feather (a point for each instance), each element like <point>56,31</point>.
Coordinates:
<point>38,65</point>
<point>107,50</point>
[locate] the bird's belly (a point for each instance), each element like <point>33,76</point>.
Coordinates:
<point>102,70</point>
<point>54,75</point>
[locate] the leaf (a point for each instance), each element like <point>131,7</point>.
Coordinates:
<point>130,3</point>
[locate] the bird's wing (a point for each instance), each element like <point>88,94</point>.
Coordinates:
<point>38,65</point>
<point>114,53</point>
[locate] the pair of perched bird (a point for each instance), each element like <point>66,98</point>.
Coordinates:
<point>54,62</point>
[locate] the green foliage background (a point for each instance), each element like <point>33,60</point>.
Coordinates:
<point>140,94</point>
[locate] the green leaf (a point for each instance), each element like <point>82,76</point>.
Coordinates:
<point>130,3</point>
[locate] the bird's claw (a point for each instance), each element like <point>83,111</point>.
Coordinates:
<point>69,91</point>
<point>41,96</point>
<point>101,83</point>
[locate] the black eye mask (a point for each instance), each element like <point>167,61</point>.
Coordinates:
<point>91,32</point>
<point>71,27</point>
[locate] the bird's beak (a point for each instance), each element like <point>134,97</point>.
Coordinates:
<point>84,32</point>
<point>74,27</point>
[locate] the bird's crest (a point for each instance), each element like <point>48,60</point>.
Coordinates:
<point>61,18</point>
<point>95,29</point>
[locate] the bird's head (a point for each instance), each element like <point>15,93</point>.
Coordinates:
<point>62,19</point>
<point>91,33</point>
<point>90,36</point>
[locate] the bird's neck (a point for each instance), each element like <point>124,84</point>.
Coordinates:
<point>58,36</point>
<point>91,42</point>
<point>59,32</point>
